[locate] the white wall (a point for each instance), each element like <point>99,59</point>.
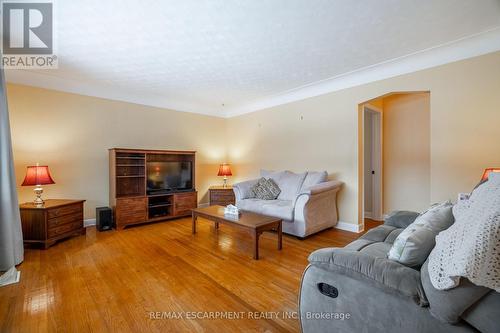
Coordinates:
<point>72,134</point>
<point>407,152</point>
<point>464,118</point>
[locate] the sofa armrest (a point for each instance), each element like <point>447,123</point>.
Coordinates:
<point>332,185</point>
<point>315,208</point>
<point>382,272</point>
<point>242,190</point>
<point>400,218</point>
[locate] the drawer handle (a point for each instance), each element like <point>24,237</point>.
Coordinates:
<point>328,290</point>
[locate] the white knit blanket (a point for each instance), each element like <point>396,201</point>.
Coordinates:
<point>470,248</point>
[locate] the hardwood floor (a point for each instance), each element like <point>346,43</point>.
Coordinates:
<point>131,280</point>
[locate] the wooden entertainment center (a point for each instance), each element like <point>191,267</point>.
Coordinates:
<point>128,187</point>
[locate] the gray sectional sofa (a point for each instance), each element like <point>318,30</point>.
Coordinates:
<point>357,289</point>
<point>306,203</point>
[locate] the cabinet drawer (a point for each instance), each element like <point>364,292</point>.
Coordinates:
<point>130,210</point>
<point>66,210</point>
<point>183,212</point>
<point>64,229</point>
<point>222,202</point>
<point>131,218</point>
<point>222,196</point>
<point>183,203</point>
<point>57,221</point>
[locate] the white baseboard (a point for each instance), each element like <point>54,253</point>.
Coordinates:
<point>368,215</point>
<point>89,223</point>
<point>349,227</point>
<point>203,205</point>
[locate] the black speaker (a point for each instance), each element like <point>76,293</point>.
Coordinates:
<point>104,218</point>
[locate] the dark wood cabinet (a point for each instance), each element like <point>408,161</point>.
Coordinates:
<point>130,211</point>
<point>222,196</point>
<point>129,197</point>
<point>55,220</point>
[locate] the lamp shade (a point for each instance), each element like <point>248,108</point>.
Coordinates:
<point>487,172</point>
<point>224,170</point>
<point>37,175</point>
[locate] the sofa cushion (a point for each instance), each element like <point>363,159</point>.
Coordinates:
<point>278,208</point>
<point>377,249</point>
<point>289,182</point>
<point>448,305</point>
<point>250,204</point>
<point>483,315</point>
<point>393,235</point>
<point>243,190</point>
<point>359,265</point>
<point>400,218</point>
<point>379,234</point>
<point>413,245</point>
<point>274,175</point>
<point>376,242</point>
<point>314,178</point>
<point>358,244</point>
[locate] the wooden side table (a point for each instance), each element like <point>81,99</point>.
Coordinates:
<point>222,196</point>
<point>57,219</point>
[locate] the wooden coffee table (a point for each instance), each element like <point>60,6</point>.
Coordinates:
<point>253,223</point>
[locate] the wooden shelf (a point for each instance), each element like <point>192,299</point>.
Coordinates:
<point>130,158</point>
<point>131,176</point>
<point>160,218</point>
<point>160,205</point>
<point>130,165</point>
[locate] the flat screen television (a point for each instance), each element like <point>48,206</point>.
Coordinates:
<point>166,177</point>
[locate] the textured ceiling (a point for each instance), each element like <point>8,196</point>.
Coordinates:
<point>198,55</point>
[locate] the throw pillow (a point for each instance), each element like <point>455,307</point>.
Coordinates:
<point>273,188</point>
<point>415,243</point>
<point>265,189</point>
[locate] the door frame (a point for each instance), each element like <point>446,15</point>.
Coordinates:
<point>377,161</point>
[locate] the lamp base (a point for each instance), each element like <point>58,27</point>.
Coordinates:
<point>225,182</point>
<point>38,202</point>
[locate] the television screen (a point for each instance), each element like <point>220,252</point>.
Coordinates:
<point>169,176</point>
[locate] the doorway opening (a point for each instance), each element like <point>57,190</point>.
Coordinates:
<point>393,155</point>
<point>372,168</point>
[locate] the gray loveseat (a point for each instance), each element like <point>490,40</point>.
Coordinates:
<point>357,289</point>
<point>307,202</point>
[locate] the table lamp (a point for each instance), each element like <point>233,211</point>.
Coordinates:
<point>224,170</point>
<point>487,172</point>
<point>37,175</point>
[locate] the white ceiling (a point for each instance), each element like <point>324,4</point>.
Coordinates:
<point>197,56</point>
